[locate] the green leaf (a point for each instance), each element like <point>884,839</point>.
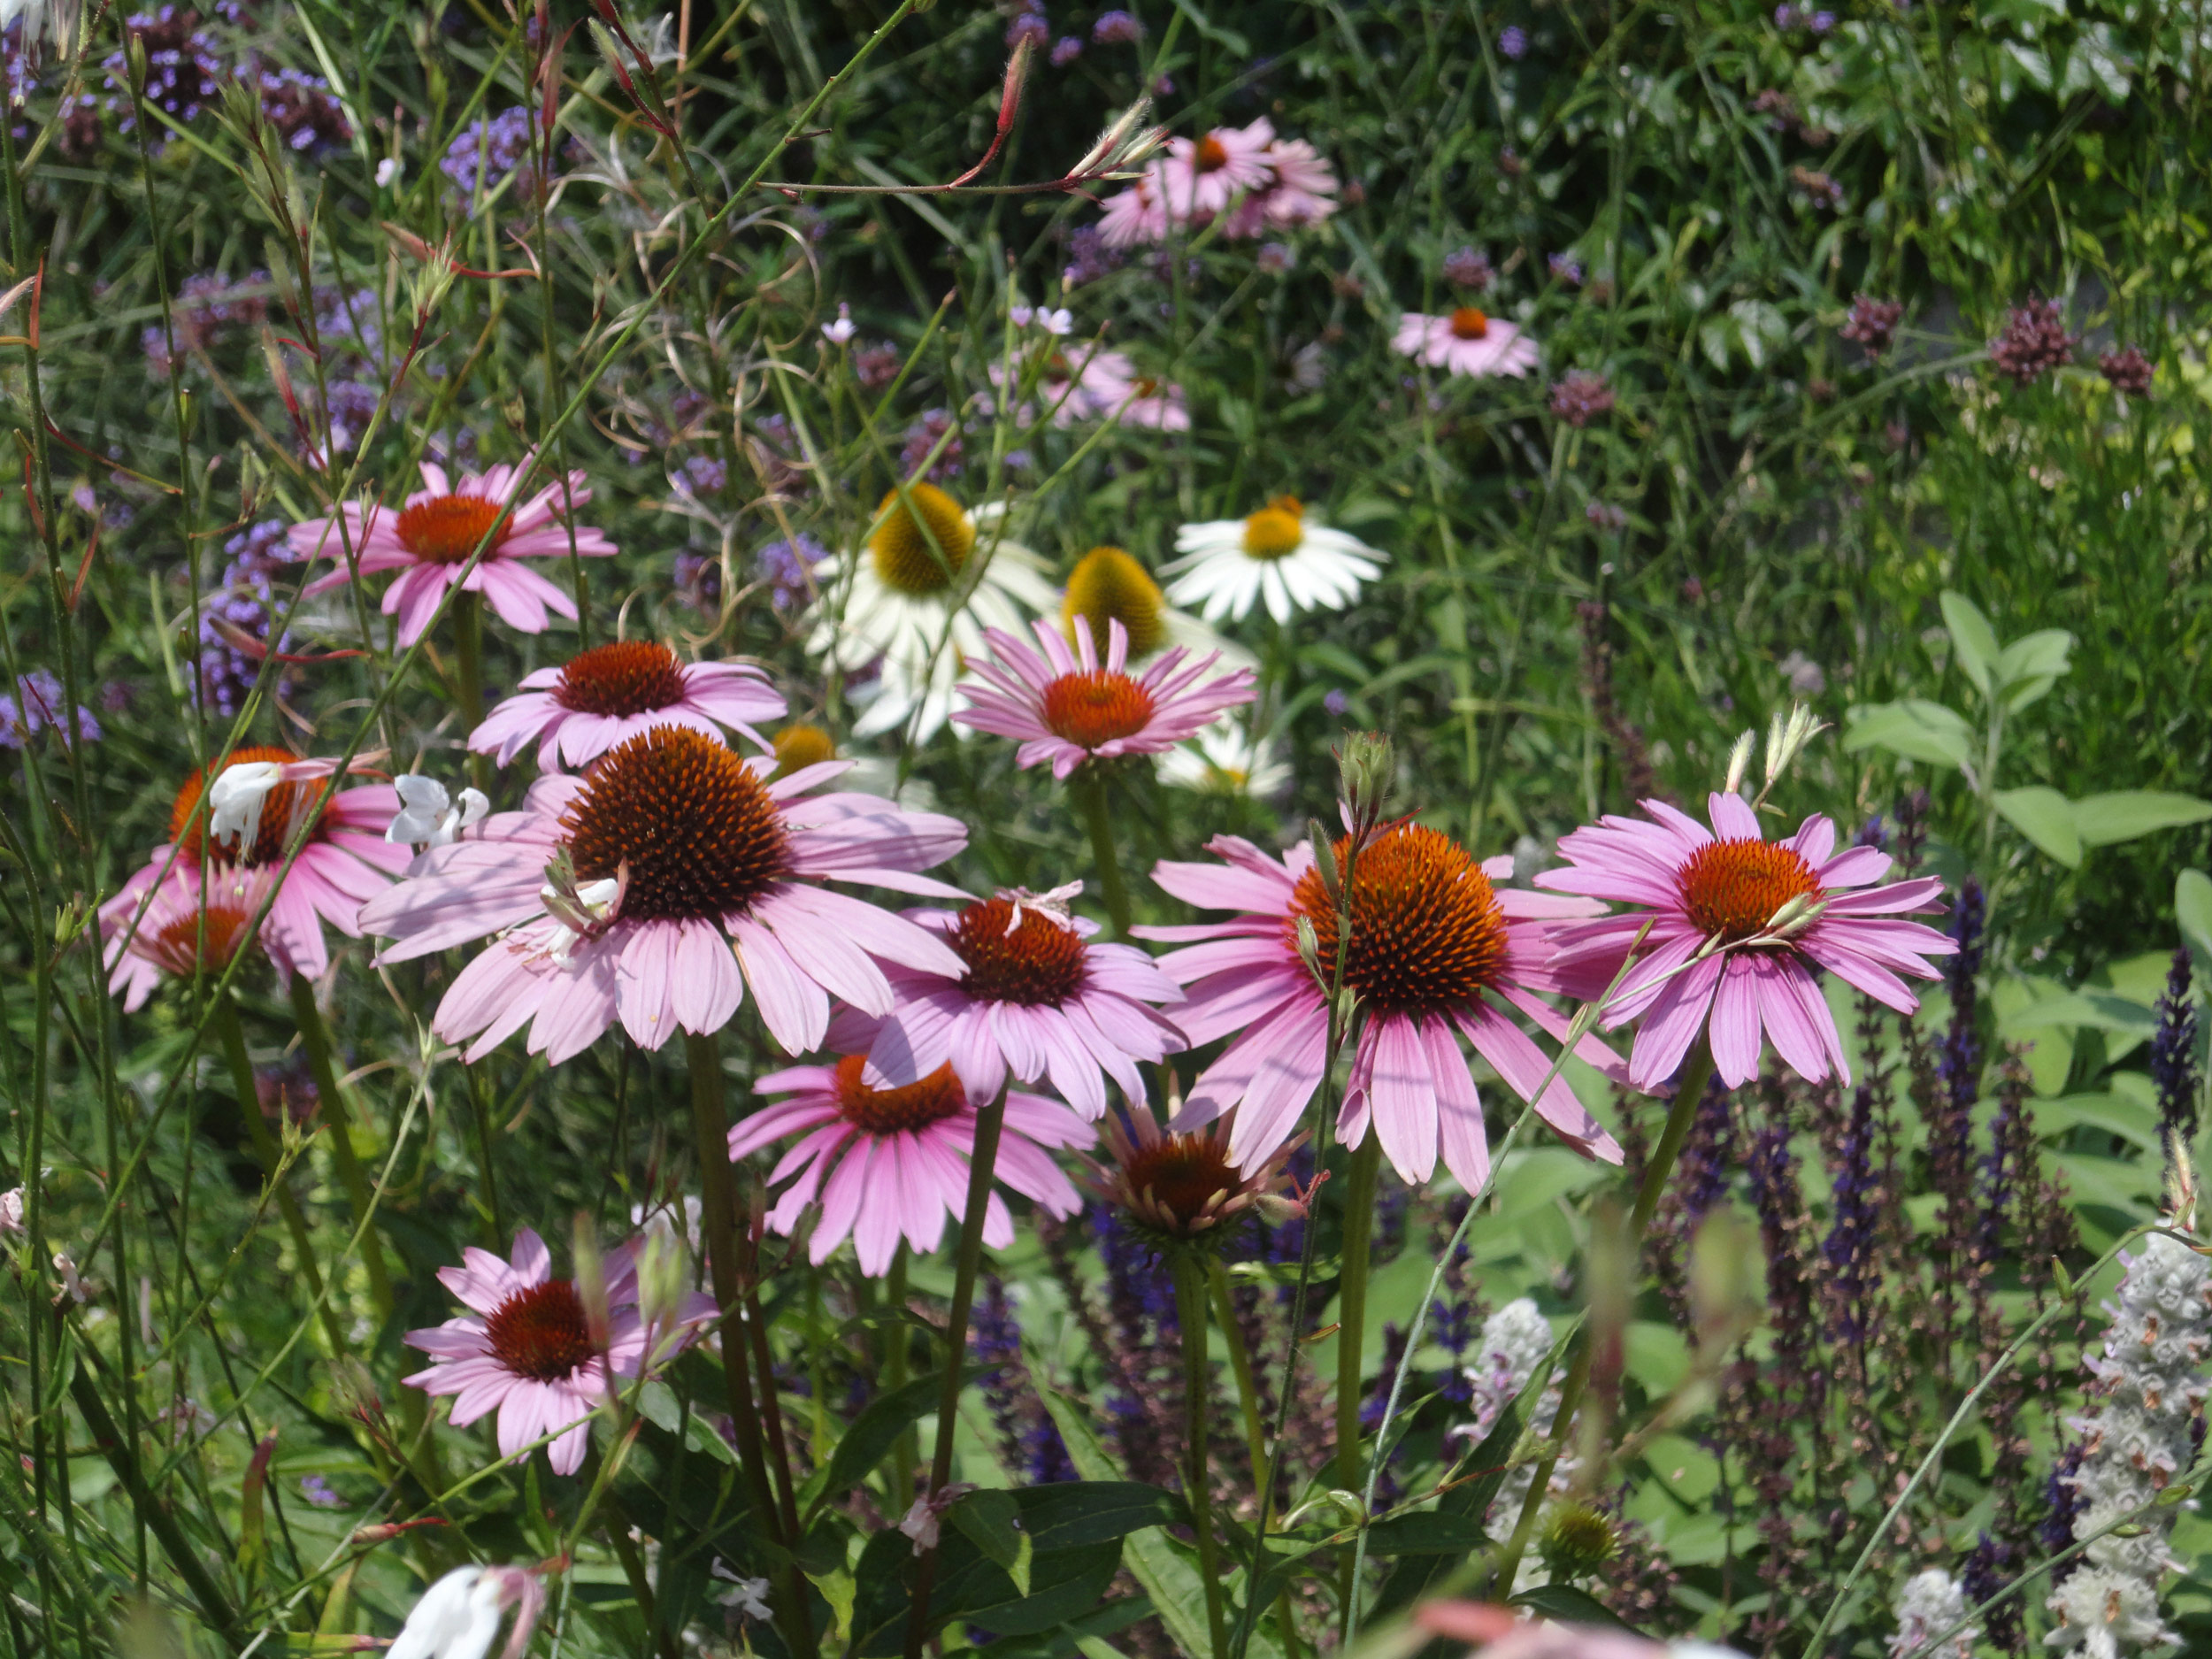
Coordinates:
<point>991,1520</point>
<point>2099,1009</point>
<point>1165,1569</point>
<point>1570,1606</point>
<point>2100,820</point>
<point>874,1432</point>
<point>1426,1532</point>
<point>1067,1513</point>
<point>2042,655</point>
<point>2045,818</point>
<point>2192,908</point>
<point>1913,728</point>
<point>1973,639</point>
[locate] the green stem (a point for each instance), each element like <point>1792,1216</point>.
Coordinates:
<point>232,1035</point>
<point>1255,1423</point>
<point>1092,788</point>
<point>718,1220</point>
<point>315,1038</point>
<point>1190,1314</point>
<point>468,675</point>
<point>1351,1313</point>
<point>981,1163</point>
<point>1689,1088</point>
<point>908,1451</point>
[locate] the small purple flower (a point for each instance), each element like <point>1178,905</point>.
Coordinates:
<point>1822,22</point>
<point>1513,42</point>
<point>702,475</point>
<point>2127,372</point>
<point>1274,258</point>
<point>1567,268</point>
<point>1468,268</point>
<point>1115,28</point>
<point>1786,18</point>
<point>1335,702</point>
<point>785,567</point>
<point>1872,323</point>
<point>317,1490</point>
<point>1581,397</point>
<point>699,581</point>
<point>1031,28</point>
<point>485,152</point>
<point>1090,257</point>
<point>1066,50</point>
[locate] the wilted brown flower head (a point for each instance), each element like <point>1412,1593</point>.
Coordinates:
<point>2034,342</point>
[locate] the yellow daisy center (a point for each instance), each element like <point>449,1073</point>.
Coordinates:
<point>1277,530</point>
<point>1108,584</point>
<point>801,746</point>
<point>924,542</point>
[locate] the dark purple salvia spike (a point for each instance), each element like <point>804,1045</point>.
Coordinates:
<point>994,1336</point>
<point>1962,1063</point>
<point>1987,1569</point>
<point>2064,1503</point>
<point>2174,1061</point>
<point>1912,830</point>
<point>1854,1205</point>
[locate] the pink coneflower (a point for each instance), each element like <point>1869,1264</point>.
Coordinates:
<point>261,797</point>
<point>655,887</point>
<point>1034,995</point>
<point>1467,342</point>
<point>605,695</point>
<point>1083,382</point>
<point>528,1352</point>
<point>1159,404</point>
<point>1199,176</point>
<point>1180,1188</point>
<point>1136,215</point>
<point>888,1163</point>
<point>1304,191</point>
<point>433,535</point>
<point>179,937</point>
<point>1432,941</point>
<point>1067,707</point>
<point>1738,926</point>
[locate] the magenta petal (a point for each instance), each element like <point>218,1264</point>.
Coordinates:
<point>1403,1096</point>
<point>1734,1030</point>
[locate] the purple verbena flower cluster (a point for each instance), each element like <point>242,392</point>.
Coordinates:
<point>241,603</point>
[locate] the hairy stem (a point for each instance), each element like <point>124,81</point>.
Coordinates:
<point>988,1122</point>
<point>1092,789</point>
<point>1351,1313</point>
<point>1190,1314</point>
<point>718,1220</point>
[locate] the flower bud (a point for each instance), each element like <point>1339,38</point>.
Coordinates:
<point>1578,1541</point>
<point>1324,862</point>
<point>1365,767</point>
<point>1739,763</point>
<point>1309,950</point>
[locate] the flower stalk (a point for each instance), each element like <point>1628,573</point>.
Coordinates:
<point>1091,789</point>
<point>988,1122</point>
<point>1190,1314</point>
<point>718,1221</point>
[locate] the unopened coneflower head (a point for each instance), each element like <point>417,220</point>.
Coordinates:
<point>527,1347</point>
<point>261,800</point>
<point>1739,926</point>
<point>1278,553</point>
<point>1436,946</point>
<point>891,1162</point>
<point>610,693</point>
<point>799,745</point>
<point>437,531</point>
<point>1070,707</point>
<point>659,885</point>
<point>911,600</point>
<point>1185,1189</point>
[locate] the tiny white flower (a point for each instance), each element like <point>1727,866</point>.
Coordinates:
<point>1021,316</point>
<point>924,1522</point>
<point>234,802</point>
<point>749,1596</point>
<point>1061,322</point>
<point>842,330</point>
<point>71,1286</point>
<point>12,1210</point>
<point>426,812</point>
<point>388,169</point>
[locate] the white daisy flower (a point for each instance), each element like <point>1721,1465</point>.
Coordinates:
<point>1223,760</point>
<point>903,589</point>
<point>1276,554</point>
